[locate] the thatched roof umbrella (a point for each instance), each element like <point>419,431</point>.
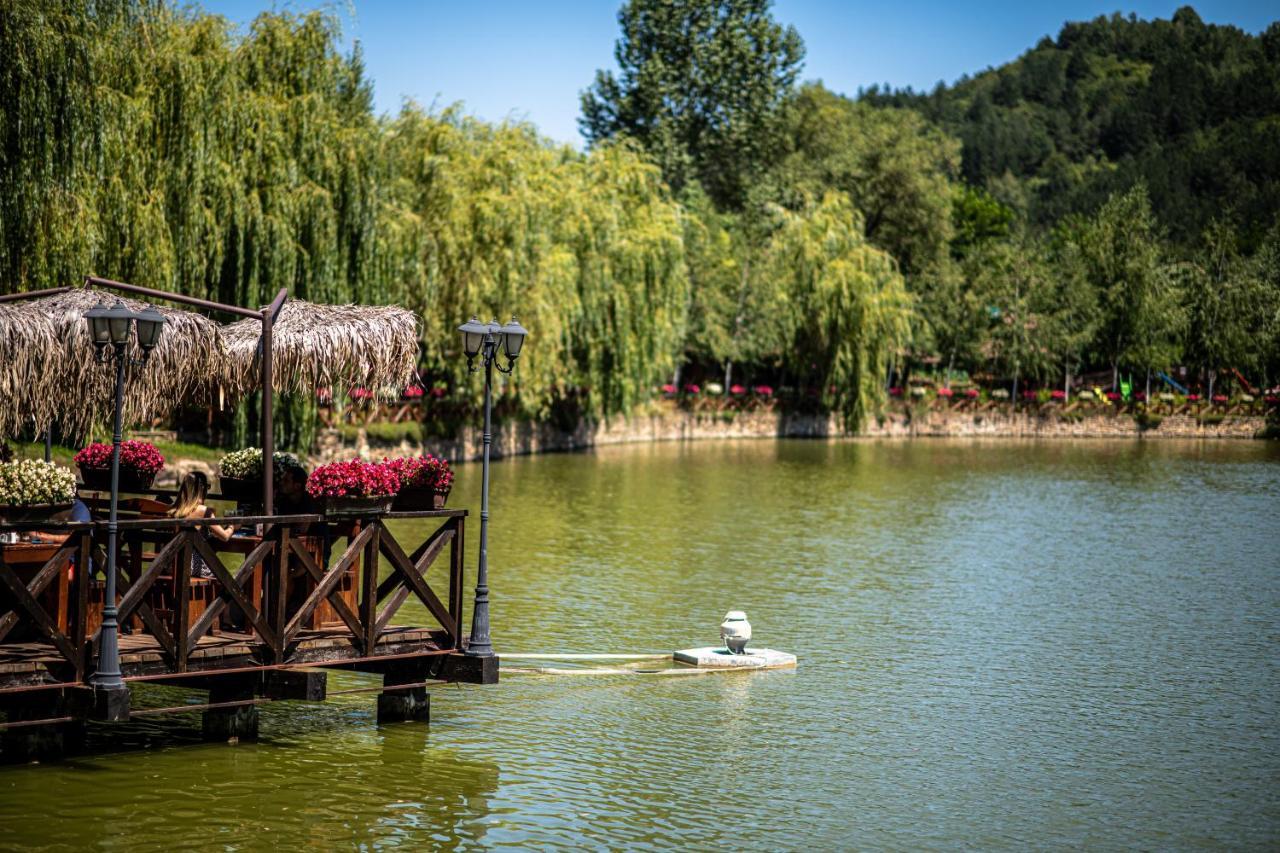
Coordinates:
<point>65,385</point>
<point>318,346</point>
<point>28,346</point>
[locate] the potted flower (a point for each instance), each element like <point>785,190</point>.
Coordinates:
<point>240,472</point>
<point>1000,394</point>
<point>31,490</point>
<point>139,464</point>
<point>354,487</point>
<point>945,393</point>
<point>425,482</point>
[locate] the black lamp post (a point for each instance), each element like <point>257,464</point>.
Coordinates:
<point>110,327</point>
<point>485,340</point>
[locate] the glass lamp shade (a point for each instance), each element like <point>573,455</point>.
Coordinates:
<point>119,319</point>
<point>150,325</point>
<point>513,335</point>
<point>99,326</point>
<point>473,332</point>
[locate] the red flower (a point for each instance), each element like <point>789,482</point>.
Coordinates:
<point>1220,398</point>
<point>945,392</point>
<point>422,472</point>
<point>361,394</point>
<point>355,478</point>
<point>737,390</point>
<point>139,456</point>
<point>1029,395</point>
<point>1113,396</point>
<point>413,392</point>
<point>692,388</point>
<point>971,393</point>
<point>895,392</point>
<point>668,388</point>
<point>1058,394</point>
<point>1193,398</point>
<point>763,390</point>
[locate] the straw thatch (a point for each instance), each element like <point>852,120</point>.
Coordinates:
<point>27,343</point>
<point>64,385</point>
<point>328,346</point>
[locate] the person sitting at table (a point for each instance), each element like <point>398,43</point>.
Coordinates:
<point>291,496</point>
<point>189,503</point>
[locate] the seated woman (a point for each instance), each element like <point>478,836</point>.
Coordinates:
<point>190,504</point>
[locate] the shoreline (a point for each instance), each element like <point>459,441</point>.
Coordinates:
<point>525,439</point>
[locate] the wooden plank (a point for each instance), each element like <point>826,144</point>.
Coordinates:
<point>369,600</point>
<point>182,604</point>
<point>457,556</point>
<point>326,585</point>
<point>19,591</point>
<point>137,589</point>
<point>280,568</point>
<point>413,577</point>
<point>231,589</point>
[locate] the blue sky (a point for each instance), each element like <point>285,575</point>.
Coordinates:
<point>530,60</point>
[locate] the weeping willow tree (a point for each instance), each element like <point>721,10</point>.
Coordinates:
<point>164,147</point>
<point>850,309</point>
<point>160,147</point>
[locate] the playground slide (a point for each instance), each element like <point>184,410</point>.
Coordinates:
<point>1170,381</point>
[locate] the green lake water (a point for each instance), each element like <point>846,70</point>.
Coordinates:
<point>1002,645</point>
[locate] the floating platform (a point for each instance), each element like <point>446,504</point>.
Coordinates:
<point>720,658</point>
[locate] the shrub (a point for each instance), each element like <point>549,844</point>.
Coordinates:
<point>29,482</point>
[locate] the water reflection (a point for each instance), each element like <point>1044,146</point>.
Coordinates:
<point>1002,644</point>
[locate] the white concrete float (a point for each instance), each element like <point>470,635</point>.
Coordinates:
<point>719,657</point>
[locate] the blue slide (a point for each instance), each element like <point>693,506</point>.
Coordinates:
<point>1166,378</point>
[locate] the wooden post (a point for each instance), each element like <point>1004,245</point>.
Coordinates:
<point>233,724</point>
<point>405,704</point>
<point>268,400</point>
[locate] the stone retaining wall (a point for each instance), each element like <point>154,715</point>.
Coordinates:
<point>676,425</point>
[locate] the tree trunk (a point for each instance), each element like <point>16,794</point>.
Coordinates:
<point>728,374</point>
<point>675,377</point>
<point>1147,396</point>
<point>1213,375</point>
<point>951,359</point>
<point>1066,384</point>
<point>1115,376</point>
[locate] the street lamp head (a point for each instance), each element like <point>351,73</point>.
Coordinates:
<point>99,325</point>
<point>119,319</point>
<point>473,332</point>
<point>513,335</point>
<point>150,325</point>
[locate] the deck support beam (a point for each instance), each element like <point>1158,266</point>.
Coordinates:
<point>231,724</point>
<point>43,742</point>
<point>407,704</point>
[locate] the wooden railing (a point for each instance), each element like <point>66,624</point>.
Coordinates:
<point>275,583</point>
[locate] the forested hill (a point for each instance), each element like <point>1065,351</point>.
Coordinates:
<point>1192,109</point>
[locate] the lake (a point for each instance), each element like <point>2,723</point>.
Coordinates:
<point>1002,644</point>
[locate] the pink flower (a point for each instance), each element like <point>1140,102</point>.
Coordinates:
<point>945,392</point>
<point>895,392</point>
<point>1058,394</point>
<point>692,388</point>
<point>971,393</point>
<point>763,390</point>
<point>1114,396</point>
<point>139,456</point>
<point>737,390</point>
<point>668,389</point>
<point>1220,398</point>
<point>1193,398</point>
<point>1140,396</point>
<point>356,478</point>
<point>413,391</point>
<point>324,395</point>
<point>361,394</point>
<point>1029,395</point>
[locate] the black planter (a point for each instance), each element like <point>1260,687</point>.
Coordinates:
<point>354,507</point>
<point>38,512</point>
<point>417,499</point>
<point>99,480</point>
<point>240,490</point>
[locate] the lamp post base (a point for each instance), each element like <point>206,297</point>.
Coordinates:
<point>111,704</point>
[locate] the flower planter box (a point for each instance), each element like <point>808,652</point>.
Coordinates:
<point>352,507</point>
<point>36,512</point>
<point>414,500</point>
<point>240,490</point>
<point>99,480</point>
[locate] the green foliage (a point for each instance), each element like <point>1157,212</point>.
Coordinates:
<point>1188,108</point>
<point>849,307</point>
<point>702,88</point>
